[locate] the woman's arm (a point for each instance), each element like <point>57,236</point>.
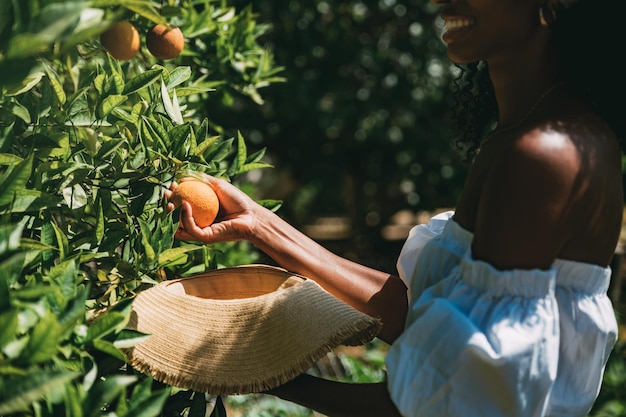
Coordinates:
<point>373,292</point>
<point>338,399</point>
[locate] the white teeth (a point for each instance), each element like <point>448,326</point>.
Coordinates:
<point>458,24</point>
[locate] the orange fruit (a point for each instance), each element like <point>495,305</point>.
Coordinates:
<point>121,40</point>
<point>165,42</point>
<point>203,200</point>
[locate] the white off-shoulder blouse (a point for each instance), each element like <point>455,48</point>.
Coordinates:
<point>482,342</point>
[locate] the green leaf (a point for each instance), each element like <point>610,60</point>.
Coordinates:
<point>105,324</point>
<point>100,221</point>
<point>192,90</point>
<point>14,180</point>
<point>104,393</point>
<point>142,80</point>
<point>108,348</point>
<point>61,240</point>
<point>109,103</point>
<point>198,407</point>
<point>178,76</point>
<point>256,157</point>
<point>74,313</point>
<point>5,298</point>
<point>150,406</point>
<point>206,144</point>
<point>32,201</point>
<point>171,105</point>
<point>179,137</point>
<point>171,256</point>
<point>9,159</point>
<point>146,234</point>
<point>242,150</point>
<point>145,9</point>
<point>72,397</point>
<point>128,338</point>
<point>219,410</point>
<point>64,276</point>
<point>50,23</point>
<point>142,391</point>
<point>156,133</point>
<point>116,82</point>
<point>43,341</point>
<point>19,392</point>
<point>18,110</point>
<point>219,152</point>
<point>10,237</point>
<point>13,266</point>
<point>27,83</point>
<point>32,293</point>
<point>56,84</point>
<point>8,324</point>
<point>251,167</point>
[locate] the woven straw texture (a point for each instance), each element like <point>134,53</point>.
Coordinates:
<point>240,330</point>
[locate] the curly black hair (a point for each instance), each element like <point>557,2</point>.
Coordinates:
<point>585,34</point>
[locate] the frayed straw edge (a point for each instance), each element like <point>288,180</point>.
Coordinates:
<point>365,331</point>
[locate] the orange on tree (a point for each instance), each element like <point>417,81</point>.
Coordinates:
<point>165,42</point>
<point>203,200</point>
<point>121,40</point>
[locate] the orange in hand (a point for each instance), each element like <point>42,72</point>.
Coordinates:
<point>203,200</point>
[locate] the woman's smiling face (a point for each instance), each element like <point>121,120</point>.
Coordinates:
<point>482,30</point>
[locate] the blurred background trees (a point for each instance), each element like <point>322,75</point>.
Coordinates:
<point>358,131</point>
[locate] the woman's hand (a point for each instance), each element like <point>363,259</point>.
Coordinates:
<point>235,220</point>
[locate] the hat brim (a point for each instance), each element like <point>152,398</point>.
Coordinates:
<point>240,330</point>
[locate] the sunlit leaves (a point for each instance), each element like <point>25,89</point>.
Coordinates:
<point>88,146</point>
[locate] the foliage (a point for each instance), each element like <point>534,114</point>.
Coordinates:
<point>359,129</point>
<point>87,146</point>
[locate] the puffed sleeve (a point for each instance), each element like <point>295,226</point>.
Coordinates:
<point>481,343</point>
<point>418,237</point>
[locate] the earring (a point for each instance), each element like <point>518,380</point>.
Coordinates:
<point>548,17</point>
<point>542,20</point>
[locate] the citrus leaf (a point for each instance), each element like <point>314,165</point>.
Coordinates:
<point>43,341</point>
<point>18,392</point>
<point>190,91</point>
<point>206,144</point>
<point>145,9</point>
<point>150,406</point>
<point>14,179</point>
<point>104,325</point>
<point>18,110</point>
<point>56,84</point>
<point>8,324</point>
<point>252,166</point>
<point>109,103</point>
<point>142,80</point>
<point>100,227</point>
<point>171,104</point>
<point>104,392</point>
<point>178,76</point>
<point>108,348</point>
<point>128,338</point>
<point>169,256</point>
<point>9,159</point>
<point>26,84</point>
<point>146,233</point>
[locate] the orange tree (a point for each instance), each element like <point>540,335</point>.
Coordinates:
<point>88,144</point>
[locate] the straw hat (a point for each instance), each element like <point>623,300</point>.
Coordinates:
<point>240,330</point>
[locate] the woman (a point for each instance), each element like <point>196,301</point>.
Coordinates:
<point>507,312</point>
